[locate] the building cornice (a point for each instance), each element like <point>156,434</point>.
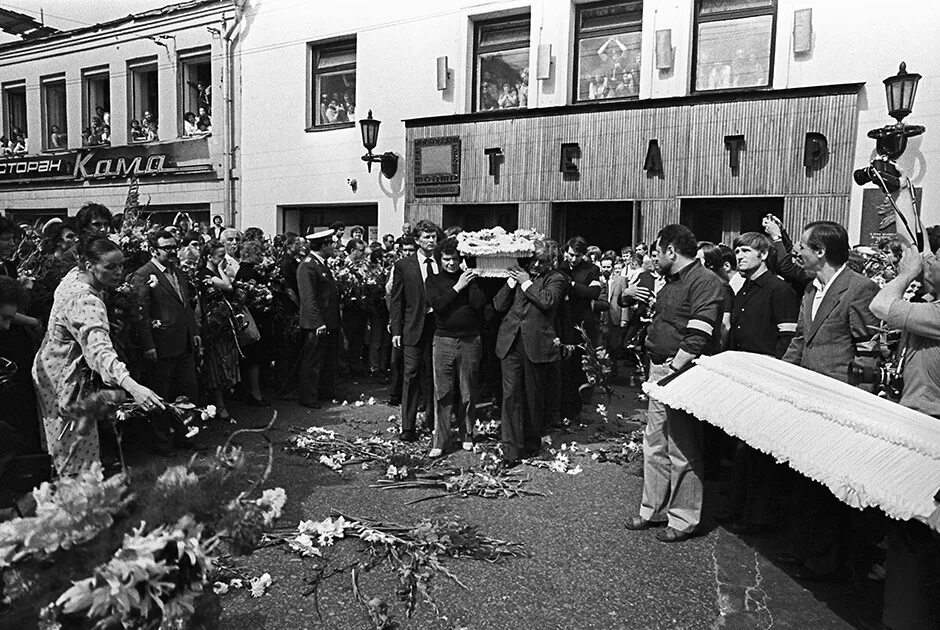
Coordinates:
<point>650,103</point>
<point>114,32</point>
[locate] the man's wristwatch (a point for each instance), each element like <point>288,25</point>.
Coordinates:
<point>673,368</point>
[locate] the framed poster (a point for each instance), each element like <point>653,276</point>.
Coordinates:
<point>437,166</point>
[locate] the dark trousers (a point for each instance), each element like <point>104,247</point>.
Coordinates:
<point>456,362</point>
<point>912,577</point>
<point>572,377</point>
<point>418,379</point>
<point>170,378</point>
<point>380,340</point>
<point>819,527</point>
<point>756,486</point>
<point>525,401</point>
<point>398,375</point>
<point>317,367</point>
<point>355,322</point>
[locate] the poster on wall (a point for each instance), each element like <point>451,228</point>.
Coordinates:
<point>879,220</point>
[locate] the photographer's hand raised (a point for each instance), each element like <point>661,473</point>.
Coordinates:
<point>912,263</point>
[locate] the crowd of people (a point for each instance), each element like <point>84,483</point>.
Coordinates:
<point>210,313</point>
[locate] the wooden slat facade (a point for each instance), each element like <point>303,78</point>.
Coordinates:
<point>691,136</point>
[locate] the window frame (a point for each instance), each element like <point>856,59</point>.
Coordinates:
<point>478,26</point>
<point>726,16</point>
<point>88,75</point>
<point>57,80</point>
<point>576,60</point>
<point>5,89</point>
<point>201,55</point>
<point>135,66</point>
<point>314,50</point>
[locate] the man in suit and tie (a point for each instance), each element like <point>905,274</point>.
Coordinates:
<point>412,324</point>
<point>319,319</point>
<point>834,317</point>
<point>526,348</point>
<point>611,320</point>
<point>168,333</point>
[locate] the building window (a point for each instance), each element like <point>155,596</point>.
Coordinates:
<point>608,50</point>
<point>54,127</point>
<point>96,106</point>
<point>501,64</point>
<point>196,92</point>
<point>14,119</point>
<point>144,100</point>
<point>734,44</point>
<point>333,84</point>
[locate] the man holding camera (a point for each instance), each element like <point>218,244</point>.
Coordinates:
<point>911,579</point>
<point>834,318</point>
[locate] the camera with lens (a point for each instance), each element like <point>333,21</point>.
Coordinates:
<point>882,173</point>
<point>881,368</point>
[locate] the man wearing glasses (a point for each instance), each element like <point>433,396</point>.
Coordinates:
<point>168,334</point>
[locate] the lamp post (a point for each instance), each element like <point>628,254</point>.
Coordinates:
<point>370,135</point>
<point>900,90</point>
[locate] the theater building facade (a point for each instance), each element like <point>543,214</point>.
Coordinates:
<point>602,118</point>
<point>85,98</point>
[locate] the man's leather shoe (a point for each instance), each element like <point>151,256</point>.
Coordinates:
<point>311,405</point>
<point>637,523</point>
<point>670,535</point>
<point>408,436</point>
<point>511,463</point>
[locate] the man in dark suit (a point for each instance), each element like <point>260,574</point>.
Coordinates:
<point>584,288</point>
<point>526,347</point>
<point>834,317</point>
<point>168,332</point>
<point>319,319</point>
<point>412,323</point>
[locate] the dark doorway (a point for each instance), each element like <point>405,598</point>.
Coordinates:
<point>721,219</point>
<point>607,224</point>
<point>478,217</point>
<point>301,218</point>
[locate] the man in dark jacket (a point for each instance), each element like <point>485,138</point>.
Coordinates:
<point>412,324</point>
<point>526,347</point>
<point>584,280</point>
<point>168,332</point>
<point>319,319</point>
<point>458,301</point>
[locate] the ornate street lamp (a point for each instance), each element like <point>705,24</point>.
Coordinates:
<point>900,89</point>
<point>370,137</point>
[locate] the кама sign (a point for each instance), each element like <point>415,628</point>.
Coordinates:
<point>118,163</point>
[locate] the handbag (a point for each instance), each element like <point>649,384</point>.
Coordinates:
<point>248,333</point>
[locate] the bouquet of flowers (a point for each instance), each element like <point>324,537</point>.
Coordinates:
<point>258,297</point>
<point>69,511</point>
<point>154,576</point>
<point>496,250</point>
<point>358,283</point>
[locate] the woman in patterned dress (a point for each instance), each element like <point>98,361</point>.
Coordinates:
<point>77,350</point>
<point>219,370</point>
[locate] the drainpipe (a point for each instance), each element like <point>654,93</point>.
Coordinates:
<point>228,150</point>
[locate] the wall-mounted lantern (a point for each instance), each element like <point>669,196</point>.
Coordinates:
<point>370,137</point>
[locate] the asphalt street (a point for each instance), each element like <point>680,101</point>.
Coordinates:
<point>585,571</point>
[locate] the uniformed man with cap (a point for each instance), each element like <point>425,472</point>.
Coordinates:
<point>319,320</point>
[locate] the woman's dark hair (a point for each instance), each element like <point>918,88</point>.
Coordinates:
<point>829,236</point>
<point>377,256</point>
<point>448,246</point>
<point>210,247</point>
<point>191,236</point>
<point>253,234</point>
<point>88,213</point>
<point>11,292</point>
<point>93,247</point>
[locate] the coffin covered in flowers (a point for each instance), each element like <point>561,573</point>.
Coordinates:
<point>494,250</point>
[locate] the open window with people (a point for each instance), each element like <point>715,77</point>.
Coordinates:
<point>501,63</point>
<point>195,73</point>
<point>333,90</point>
<point>96,107</point>
<point>13,141</point>
<point>144,100</point>
<point>54,113</point>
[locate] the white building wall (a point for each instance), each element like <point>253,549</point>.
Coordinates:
<point>397,45</point>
